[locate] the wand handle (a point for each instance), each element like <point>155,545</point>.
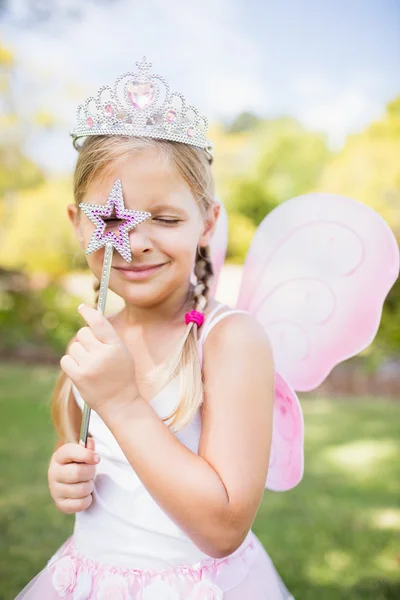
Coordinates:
<point>101,306</point>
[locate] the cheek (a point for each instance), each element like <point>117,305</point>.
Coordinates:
<point>95,262</point>
<point>86,232</point>
<point>95,259</point>
<point>180,244</point>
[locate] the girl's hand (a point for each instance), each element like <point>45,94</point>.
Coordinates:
<point>71,476</point>
<point>100,365</point>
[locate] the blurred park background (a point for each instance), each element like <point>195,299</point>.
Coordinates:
<point>301,97</point>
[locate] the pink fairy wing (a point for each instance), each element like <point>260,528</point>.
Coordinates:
<point>316,276</point>
<point>286,463</point>
<point>218,246</point>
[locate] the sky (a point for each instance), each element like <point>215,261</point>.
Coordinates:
<point>333,65</point>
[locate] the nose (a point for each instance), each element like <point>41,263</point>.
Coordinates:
<point>139,240</point>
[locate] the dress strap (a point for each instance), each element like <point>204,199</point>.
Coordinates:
<point>207,322</point>
<point>211,322</point>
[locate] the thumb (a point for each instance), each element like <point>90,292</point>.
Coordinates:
<point>101,327</point>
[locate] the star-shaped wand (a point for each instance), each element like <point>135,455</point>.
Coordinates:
<point>109,239</point>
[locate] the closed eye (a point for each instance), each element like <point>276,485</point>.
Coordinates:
<point>168,221</point>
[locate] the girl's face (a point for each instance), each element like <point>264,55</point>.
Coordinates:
<point>164,247</point>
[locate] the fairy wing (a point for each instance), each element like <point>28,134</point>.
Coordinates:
<point>286,463</point>
<point>316,276</point>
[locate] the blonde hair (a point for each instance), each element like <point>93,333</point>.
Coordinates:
<point>193,164</point>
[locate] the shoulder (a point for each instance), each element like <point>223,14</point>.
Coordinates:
<point>237,336</point>
<point>234,327</point>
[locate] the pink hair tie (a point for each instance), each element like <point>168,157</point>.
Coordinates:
<point>194,316</point>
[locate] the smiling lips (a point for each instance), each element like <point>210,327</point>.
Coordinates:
<point>139,271</point>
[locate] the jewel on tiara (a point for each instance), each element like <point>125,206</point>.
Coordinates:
<point>141,105</point>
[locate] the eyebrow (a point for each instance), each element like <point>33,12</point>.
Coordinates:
<point>169,207</point>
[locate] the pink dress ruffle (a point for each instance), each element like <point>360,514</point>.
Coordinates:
<point>248,573</point>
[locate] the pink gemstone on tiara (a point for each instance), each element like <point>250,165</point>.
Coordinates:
<point>146,98</point>
<point>171,115</point>
<point>141,94</point>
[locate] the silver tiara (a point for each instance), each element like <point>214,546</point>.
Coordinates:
<point>141,105</point>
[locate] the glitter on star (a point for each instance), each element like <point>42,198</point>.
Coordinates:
<point>131,218</point>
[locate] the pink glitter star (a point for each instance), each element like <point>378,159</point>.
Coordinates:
<point>131,218</point>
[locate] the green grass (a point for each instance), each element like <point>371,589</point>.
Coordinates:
<point>335,537</point>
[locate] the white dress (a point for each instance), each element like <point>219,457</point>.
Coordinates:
<point>124,546</point>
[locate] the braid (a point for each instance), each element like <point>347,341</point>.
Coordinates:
<point>186,363</point>
<point>96,289</point>
<point>204,273</point>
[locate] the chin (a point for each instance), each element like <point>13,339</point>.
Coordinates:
<point>148,292</point>
<point>142,300</point>
<point>142,295</point>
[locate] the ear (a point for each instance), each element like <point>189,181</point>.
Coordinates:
<point>74,217</point>
<point>210,222</point>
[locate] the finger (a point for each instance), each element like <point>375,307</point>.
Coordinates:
<point>70,367</point>
<point>87,338</point>
<point>75,453</point>
<point>90,444</point>
<point>78,353</point>
<point>74,473</point>
<point>69,506</point>
<point>74,491</point>
<point>100,326</point>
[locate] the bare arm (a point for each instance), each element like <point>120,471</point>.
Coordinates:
<point>212,496</point>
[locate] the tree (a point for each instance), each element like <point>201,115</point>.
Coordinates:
<point>368,168</point>
<point>37,236</point>
<point>246,121</point>
<point>260,166</point>
<point>16,170</point>
<point>282,160</point>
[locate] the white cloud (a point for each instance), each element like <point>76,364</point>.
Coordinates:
<point>201,48</point>
<point>338,111</point>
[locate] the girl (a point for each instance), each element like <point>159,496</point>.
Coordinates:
<point>167,489</point>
